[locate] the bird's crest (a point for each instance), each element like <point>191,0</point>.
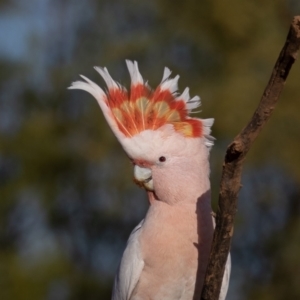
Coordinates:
<point>129,113</point>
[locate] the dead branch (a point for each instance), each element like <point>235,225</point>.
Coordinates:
<point>234,158</point>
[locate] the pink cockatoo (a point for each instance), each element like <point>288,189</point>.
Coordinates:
<point>167,253</point>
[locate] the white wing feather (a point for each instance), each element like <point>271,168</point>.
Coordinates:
<point>130,268</point>
<point>226,276</point>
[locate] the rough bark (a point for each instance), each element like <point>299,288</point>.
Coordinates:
<point>234,158</point>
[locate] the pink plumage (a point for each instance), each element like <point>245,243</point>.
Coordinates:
<point>167,253</point>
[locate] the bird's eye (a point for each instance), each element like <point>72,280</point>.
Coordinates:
<point>162,159</point>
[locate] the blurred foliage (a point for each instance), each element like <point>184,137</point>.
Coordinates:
<point>67,202</point>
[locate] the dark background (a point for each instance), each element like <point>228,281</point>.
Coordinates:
<point>67,200</point>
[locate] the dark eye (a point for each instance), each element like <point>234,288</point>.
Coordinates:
<point>162,159</point>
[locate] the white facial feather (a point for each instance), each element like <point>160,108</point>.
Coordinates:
<point>149,145</point>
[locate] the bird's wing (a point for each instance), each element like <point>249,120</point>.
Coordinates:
<point>130,267</point>
<point>227,271</point>
<point>226,277</point>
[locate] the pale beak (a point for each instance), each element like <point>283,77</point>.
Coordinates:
<point>143,177</point>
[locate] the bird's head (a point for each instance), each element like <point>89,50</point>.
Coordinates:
<point>154,126</point>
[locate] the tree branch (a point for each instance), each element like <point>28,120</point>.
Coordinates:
<point>234,158</point>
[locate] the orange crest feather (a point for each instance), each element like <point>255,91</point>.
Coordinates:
<point>130,113</point>
<point>145,109</point>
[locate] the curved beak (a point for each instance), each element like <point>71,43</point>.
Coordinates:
<point>143,177</point>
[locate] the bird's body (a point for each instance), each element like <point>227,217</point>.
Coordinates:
<point>167,253</point>
<point>171,254</point>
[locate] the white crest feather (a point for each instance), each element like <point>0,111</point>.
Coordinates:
<point>166,75</point>
<point>135,75</point>
<point>190,103</point>
<point>92,88</point>
<point>111,84</point>
<point>89,86</point>
<point>193,103</point>
<point>185,96</point>
<point>170,84</point>
<point>207,123</point>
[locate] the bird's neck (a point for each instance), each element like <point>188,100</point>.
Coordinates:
<point>182,185</point>
<point>184,200</point>
<point>197,200</point>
